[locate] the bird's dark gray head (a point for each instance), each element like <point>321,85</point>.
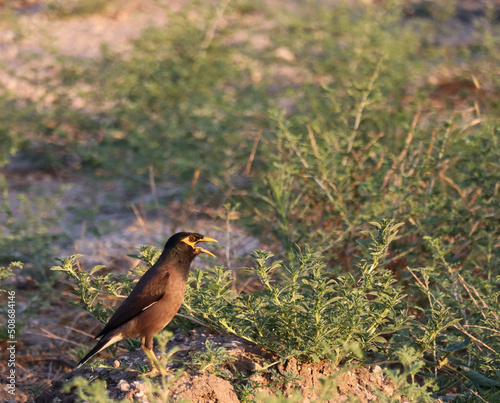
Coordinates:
<point>184,244</point>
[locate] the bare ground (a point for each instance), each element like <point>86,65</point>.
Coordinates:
<point>213,384</point>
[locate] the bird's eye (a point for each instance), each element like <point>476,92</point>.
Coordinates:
<point>192,239</point>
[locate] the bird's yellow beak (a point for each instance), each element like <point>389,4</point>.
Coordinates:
<point>200,249</point>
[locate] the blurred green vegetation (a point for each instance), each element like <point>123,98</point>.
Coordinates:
<point>358,114</point>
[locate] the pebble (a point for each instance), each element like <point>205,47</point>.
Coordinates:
<point>123,385</point>
<point>226,373</point>
<point>116,364</point>
<point>257,366</point>
<point>139,385</point>
<point>232,344</point>
<point>139,394</point>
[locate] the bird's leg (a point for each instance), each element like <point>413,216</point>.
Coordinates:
<point>149,356</point>
<point>147,346</point>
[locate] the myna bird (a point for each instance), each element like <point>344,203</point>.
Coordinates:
<point>155,299</point>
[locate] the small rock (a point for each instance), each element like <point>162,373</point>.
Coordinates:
<point>139,394</point>
<point>257,366</point>
<point>116,364</point>
<point>123,385</point>
<point>257,379</point>
<point>139,385</point>
<point>449,397</point>
<point>125,358</point>
<point>232,344</point>
<point>284,53</point>
<point>226,374</point>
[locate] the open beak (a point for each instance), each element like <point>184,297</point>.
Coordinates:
<point>200,249</point>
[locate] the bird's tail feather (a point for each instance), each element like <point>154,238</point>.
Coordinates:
<point>106,341</point>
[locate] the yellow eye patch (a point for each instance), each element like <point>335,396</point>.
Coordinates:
<point>191,240</point>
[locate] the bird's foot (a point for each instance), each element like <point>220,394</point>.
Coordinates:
<point>155,365</point>
<point>155,371</point>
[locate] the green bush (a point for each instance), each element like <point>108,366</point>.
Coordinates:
<point>307,315</point>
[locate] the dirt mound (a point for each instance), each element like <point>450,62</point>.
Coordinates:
<point>239,370</point>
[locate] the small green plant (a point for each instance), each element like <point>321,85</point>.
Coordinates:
<point>35,390</point>
<point>89,390</point>
<point>89,285</point>
<point>212,359</point>
<point>6,272</point>
<point>405,381</point>
<point>459,326</point>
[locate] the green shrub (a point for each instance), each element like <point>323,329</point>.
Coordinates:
<point>308,314</point>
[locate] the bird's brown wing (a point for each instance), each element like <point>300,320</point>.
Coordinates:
<point>150,289</point>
